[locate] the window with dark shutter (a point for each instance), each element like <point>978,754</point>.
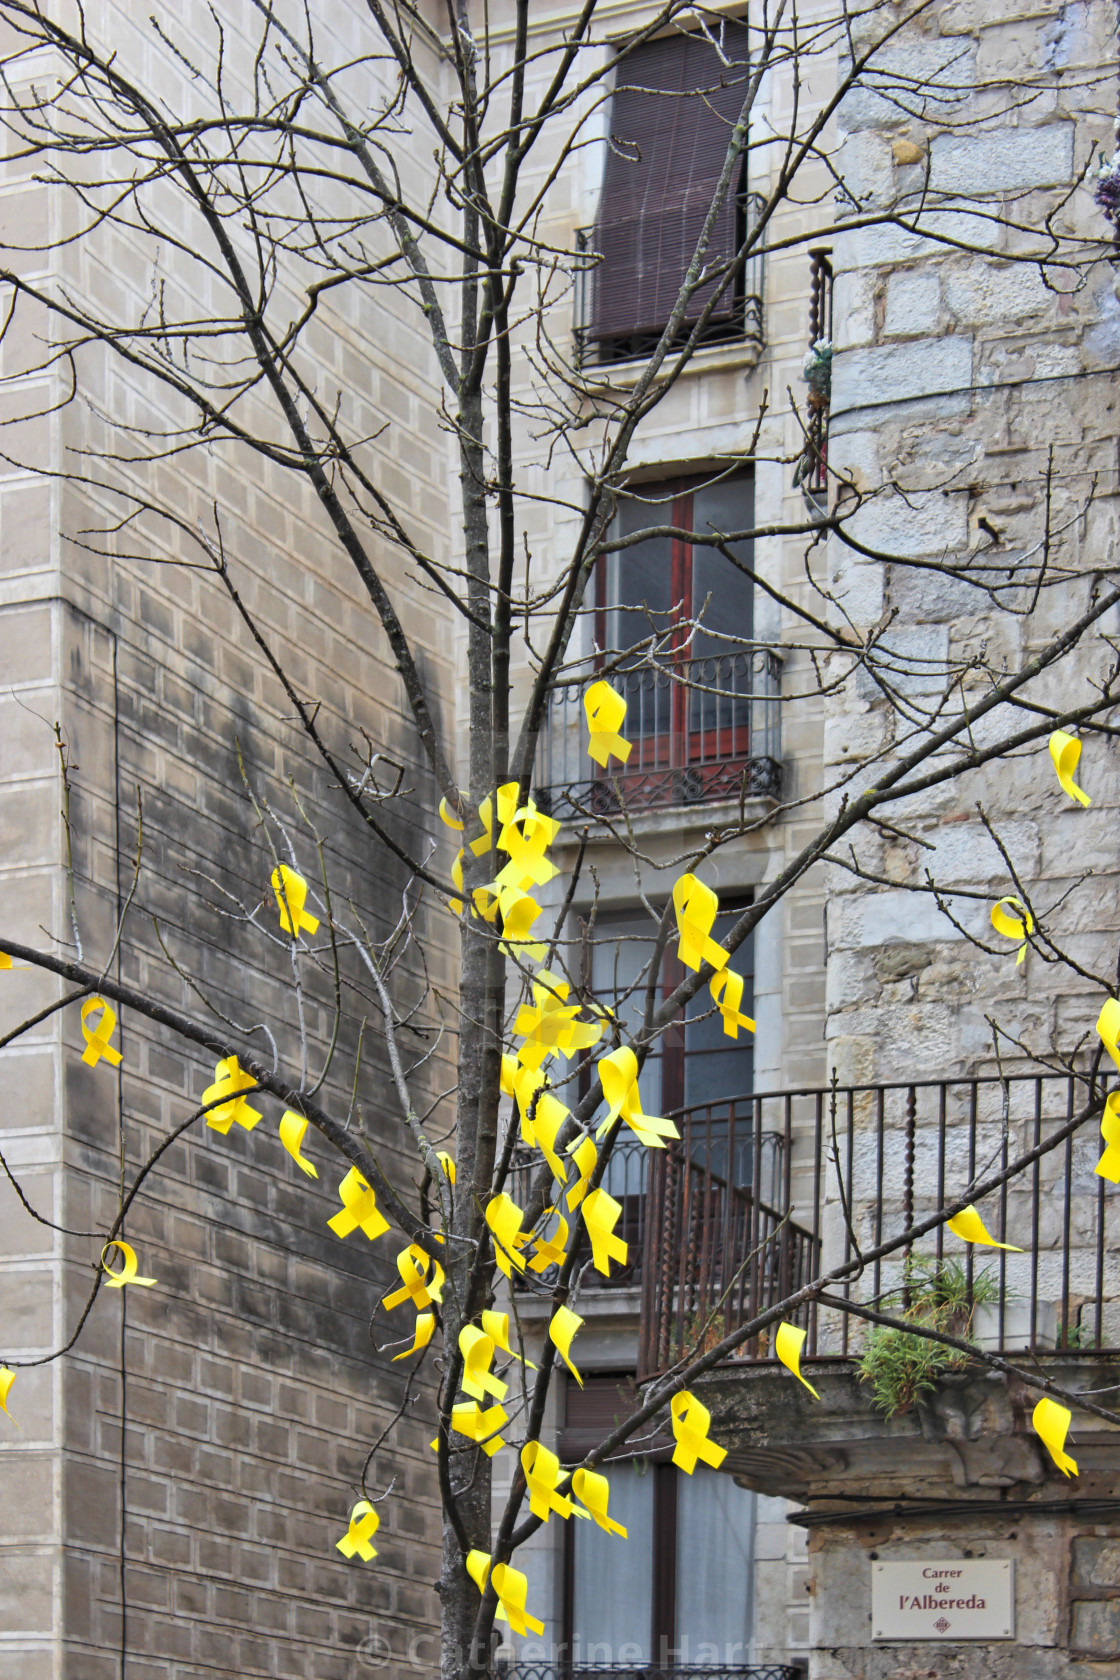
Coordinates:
<point>675,103</point>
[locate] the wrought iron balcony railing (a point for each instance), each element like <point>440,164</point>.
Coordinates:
<point>713,1256</point>
<point>603,345</point>
<point>701,730</point>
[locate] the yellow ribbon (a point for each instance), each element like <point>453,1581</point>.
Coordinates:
<point>1065,750</point>
<point>414,1266</point>
<point>477,1350</point>
<point>97,1038</point>
<point>360,1211</point>
<point>364,1523</point>
<point>1013,927</point>
<point>503,1216</point>
<point>1051,1423</point>
<point>601,1214</point>
<point>1108,1026</point>
<point>691,1422</point>
<point>291,896</point>
<point>448,816</point>
<point>697,908</point>
<point>127,1273</point>
<point>549,1023</point>
<point>507,806</point>
<point>594,1491</point>
<point>519,912</point>
<point>542,1472</point>
<point>512,1588</point>
<point>586,1156</point>
<point>606,713</point>
<point>729,985</point>
<point>456,904</point>
<point>421,1336</point>
<point>7,1378</point>
<point>5,960</point>
<point>496,1326</point>
<point>293,1129</point>
<point>547,1117</point>
<point>787,1345</point>
<point>447,1164</point>
<point>229,1080</point>
<point>1109,1164</point>
<point>468,1418</point>
<point>618,1074</point>
<point>970,1228</point>
<point>550,1251</point>
<point>526,839</point>
<point>565,1324</point>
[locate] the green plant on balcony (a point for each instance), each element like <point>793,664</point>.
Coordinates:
<point>900,1365</point>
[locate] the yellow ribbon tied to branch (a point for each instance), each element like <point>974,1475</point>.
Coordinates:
<point>293,1130</point>
<point>291,896</point>
<point>507,806</point>
<point>787,1345</point>
<point>468,1418</point>
<point>1013,927</point>
<point>1051,1424</point>
<point>496,1326</point>
<point>542,1116</point>
<point>477,1350</point>
<point>1109,1164</point>
<point>1065,750</point>
<point>697,908</point>
<point>601,1214</point>
<point>229,1081</point>
<point>97,1038</point>
<point>519,912</point>
<point>542,1472</point>
<point>527,839</point>
<point>503,1216</point>
<point>594,1491</point>
<point>551,1251</point>
<point>618,1075</point>
<point>364,1524</point>
<point>359,1211</point>
<point>127,1273</point>
<point>1108,1026</point>
<point>447,1164</point>
<point>691,1422</point>
<point>424,1330</point>
<point>605,709</point>
<point>421,1280</point>
<point>549,1024</point>
<point>512,1588</point>
<point>586,1157</point>
<point>970,1228</point>
<point>7,1378</point>
<point>565,1325</point>
<point>727,994</point>
<point>5,960</point>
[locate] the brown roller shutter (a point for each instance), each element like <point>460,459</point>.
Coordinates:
<point>673,110</point>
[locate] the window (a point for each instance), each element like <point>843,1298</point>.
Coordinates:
<point>678,1591</point>
<point>664,161</point>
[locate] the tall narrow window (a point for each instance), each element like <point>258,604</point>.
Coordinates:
<point>675,104</point>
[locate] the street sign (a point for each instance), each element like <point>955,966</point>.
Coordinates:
<point>948,1598</point>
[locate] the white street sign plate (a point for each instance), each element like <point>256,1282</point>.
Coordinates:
<point>954,1598</point>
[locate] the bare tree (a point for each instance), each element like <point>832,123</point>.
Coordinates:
<point>284,190</point>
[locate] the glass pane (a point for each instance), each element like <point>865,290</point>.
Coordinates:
<point>724,596</point>
<point>718,1068</point>
<point>612,1604</point>
<point>715,1564</point>
<point>621,949</point>
<point>639,598</point>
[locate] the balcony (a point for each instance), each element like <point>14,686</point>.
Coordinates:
<point>599,343</point>
<point>713,1257</point>
<point>702,731</point>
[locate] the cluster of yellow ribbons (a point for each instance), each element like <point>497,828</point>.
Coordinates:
<point>364,1523</point>
<point>230,1081</point>
<point>1051,1423</point>
<point>787,1345</point>
<point>97,1038</point>
<point>697,908</point>
<point>525,834</point>
<point>512,1588</point>
<point>127,1273</point>
<point>291,896</point>
<point>691,1422</point>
